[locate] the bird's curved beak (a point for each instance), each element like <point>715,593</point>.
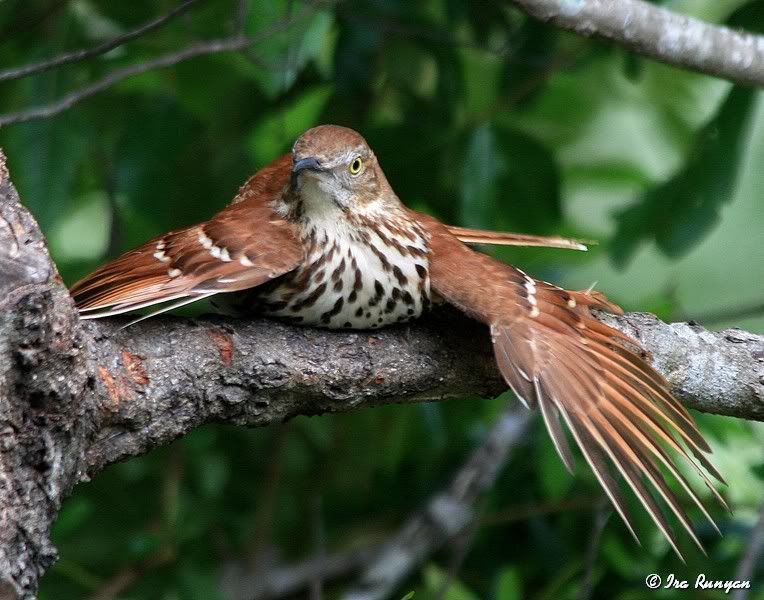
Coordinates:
<point>306,164</point>
<point>309,164</point>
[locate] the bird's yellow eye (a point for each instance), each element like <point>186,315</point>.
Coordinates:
<point>355,166</point>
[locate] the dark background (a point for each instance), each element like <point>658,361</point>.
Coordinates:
<point>479,116</point>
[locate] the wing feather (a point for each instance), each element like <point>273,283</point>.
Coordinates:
<point>243,246</point>
<point>555,354</point>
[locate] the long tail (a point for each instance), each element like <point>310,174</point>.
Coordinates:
<point>502,238</point>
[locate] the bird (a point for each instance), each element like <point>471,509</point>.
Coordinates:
<point>319,238</point>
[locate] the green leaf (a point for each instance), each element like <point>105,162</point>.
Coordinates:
<point>196,583</point>
<point>399,430</point>
<point>151,197</point>
<point>281,57</point>
<point>554,478</point>
<point>46,157</point>
<point>142,544</point>
<point>678,213</point>
<point>410,67</point>
<point>530,187</point>
<point>74,514</point>
<point>509,180</point>
<point>409,596</point>
<point>213,474</point>
<point>533,50</point>
<point>357,48</point>
<point>275,133</point>
<point>480,180</point>
<point>482,75</point>
<point>82,233</point>
<point>435,579</point>
<point>509,585</point>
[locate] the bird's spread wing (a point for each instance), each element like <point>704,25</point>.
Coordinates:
<point>243,246</point>
<point>500,238</point>
<point>555,355</point>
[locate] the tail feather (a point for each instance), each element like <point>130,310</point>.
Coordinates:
<point>501,238</point>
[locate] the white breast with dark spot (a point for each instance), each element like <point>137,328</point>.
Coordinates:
<point>354,277</point>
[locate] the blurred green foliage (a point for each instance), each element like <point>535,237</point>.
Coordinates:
<point>479,116</point>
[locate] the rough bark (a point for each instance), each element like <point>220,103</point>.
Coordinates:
<point>75,397</point>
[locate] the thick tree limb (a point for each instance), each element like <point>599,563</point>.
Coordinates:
<point>719,372</point>
<point>75,397</point>
<point>654,31</point>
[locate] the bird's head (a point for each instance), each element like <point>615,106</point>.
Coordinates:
<point>333,165</point>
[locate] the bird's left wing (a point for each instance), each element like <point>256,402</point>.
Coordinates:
<point>555,355</point>
<point>243,246</point>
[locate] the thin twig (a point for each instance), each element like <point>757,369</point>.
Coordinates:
<point>103,48</point>
<point>601,516</point>
<point>240,18</point>
<point>123,579</point>
<point>240,582</point>
<point>462,545</point>
<point>15,26</point>
<point>319,542</point>
<point>127,576</point>
<point>751,555</point>
<point>521,513</point>
<point>230,44</point>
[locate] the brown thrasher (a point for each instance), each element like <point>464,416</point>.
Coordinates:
<point>320,238</point>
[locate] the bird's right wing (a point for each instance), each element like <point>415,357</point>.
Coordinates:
<point>556,355</point>
<point>243,246</point>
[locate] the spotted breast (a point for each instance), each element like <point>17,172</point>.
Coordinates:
<point>357,274</point>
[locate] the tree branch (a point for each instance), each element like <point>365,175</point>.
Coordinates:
<point>76,396</point>
<point>384,567</point>
<point>241,582</point>
<point>103,48</point>
<point>638,26</point>
<point>747,566</point>
<point>229,44</point>
<point>720,372</point>
<point>446,515</point>
<point>659,33</point>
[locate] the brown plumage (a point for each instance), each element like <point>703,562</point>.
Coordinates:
<point>319,237</point>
